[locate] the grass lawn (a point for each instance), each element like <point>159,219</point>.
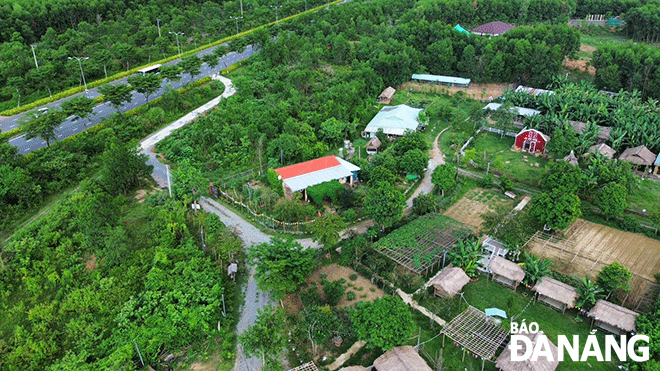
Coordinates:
<point>484,294</point>
<point>602,39</point>
<point>490,147</point>
<point>646,197</point>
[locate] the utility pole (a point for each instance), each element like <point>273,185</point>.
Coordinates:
<point>236,19</point>
<point>177,34</point>
<point>242,7</point>
<point>169,184</point>
<point>138,350</point>
<point>34,55</point>
<point>276,6</point>
<point>158,24</point>
<point>81,71</point>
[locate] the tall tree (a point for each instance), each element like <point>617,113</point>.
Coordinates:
<point>146,84</point>
<point>614,277</point>
<point>116,94</point>
<point>282,265</point>
<point>384,203</point>
<point>267,337</point>
<point>383,323</point>
<point>557,208</point>
<point>123,167</point>
<point>43,126</point>
<point>414,162</point>
<point>444,177</point>
<point>326,228</point>
<point>80,107</point>
<point>611,199</point>
<point>191,65</point>
<point>171,72</point>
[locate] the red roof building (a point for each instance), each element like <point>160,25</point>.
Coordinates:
<point>299,177</point>
<point>492,29</point>
<point>531,140</point>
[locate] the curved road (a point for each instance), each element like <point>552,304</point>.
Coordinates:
<point>71,127</point>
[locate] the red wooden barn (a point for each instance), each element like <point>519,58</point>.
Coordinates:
<point>531,140</point>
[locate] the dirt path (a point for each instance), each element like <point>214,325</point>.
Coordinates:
<point>437,158</point>
<point>476,91</point>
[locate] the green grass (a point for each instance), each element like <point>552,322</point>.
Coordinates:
<point>602,39</point>
<point>498,151</point>
<point>484,294</point>
<point>646,197</point>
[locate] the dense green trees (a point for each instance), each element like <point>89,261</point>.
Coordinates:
<point>383,323</point>
<point>384,203</point>
<point>444,177</point>
<point>124,167</point>
<point>282,265</point>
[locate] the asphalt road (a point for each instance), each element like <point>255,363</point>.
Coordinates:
<point>71,126</point>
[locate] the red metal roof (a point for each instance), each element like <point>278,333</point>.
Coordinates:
<point>307,167</point>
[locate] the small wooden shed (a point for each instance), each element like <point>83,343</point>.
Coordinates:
<point>386,96</point>
<point>373,145</point>
<point>403,358</point>
<point>613,318</point>
<point>505,363</point>
<point>555,294</point>
<point>449,282</point>
<point>506,272</point>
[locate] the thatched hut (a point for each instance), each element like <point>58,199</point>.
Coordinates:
<point>638,155</point>
<point>353,368</point>
<point>603,149</point>
<point>613,318</point>
<point>571,159</point>
<point>506,272</point>
<point>505,363</point>
<point>555,294</point>
<point>386,96</point>
<point>403,358</point>
<point>449,282</point>
<point>373,145</point>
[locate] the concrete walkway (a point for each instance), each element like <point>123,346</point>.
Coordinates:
<point>147,145</point>
<point>344,357</point>
<point>409,300</point>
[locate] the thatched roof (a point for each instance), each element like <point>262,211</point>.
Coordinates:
<point>450,280</point>
<point>353,368</point>
<point>603,131</point>
<point>506,268</point>
<point>603,149</point>
<point>557,290</point>
<point>388,93</point>
<point>373,144</point>
<point>571,159</point>
<point>505,363</point>
<point>614,315</point>
<point>638,155</point>
<point>403,358</point>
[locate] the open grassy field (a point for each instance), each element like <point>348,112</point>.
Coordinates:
<point>517,165</point>
<point>483,294</point>
<point>588,247</point>
<point>646,197</point>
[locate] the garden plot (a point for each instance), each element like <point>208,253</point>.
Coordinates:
<point>588,247</point>
<point>469,209</point>
<point>363,288</point>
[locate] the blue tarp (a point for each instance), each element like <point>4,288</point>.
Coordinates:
<point>491,312</point>
<point>461,29</point>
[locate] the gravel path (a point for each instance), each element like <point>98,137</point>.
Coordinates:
<point>437,158</point>
<point>255,299</point>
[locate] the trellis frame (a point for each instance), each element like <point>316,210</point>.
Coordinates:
<point>434,244</point>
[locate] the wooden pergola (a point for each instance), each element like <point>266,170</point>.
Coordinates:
<point>430,249</point>
<point>477,333</point>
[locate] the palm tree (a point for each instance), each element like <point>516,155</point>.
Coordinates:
<point>589,293</point>
<point>535,268</point>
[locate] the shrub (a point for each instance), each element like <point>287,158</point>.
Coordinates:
<point>424,204</point>
<point>350,296</point>
<point>353,277</point>
<point>506,184</point>
<point>486,181</point>
<point>333,292</point>
<point>320,192</point>
<point>349,215</point>
<point>310,297</point>
<point>346,197</point>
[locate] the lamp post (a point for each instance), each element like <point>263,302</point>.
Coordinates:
<point>276,6</point>
<point>177,34</point>
<point>236,19</point>
<point>158,24</point>
<point>34,55</point>
<point>81,70</point>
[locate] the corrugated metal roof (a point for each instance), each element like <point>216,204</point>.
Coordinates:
<point>533,91</point>
<point>307,167</point>
<point>394,120</point>
<point>442,79</point>
<point>522,111</point>
<point>301,182</point>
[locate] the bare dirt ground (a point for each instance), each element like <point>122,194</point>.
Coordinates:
<point>582,64</point>
<point>482,92</point>
<point>469,209</point>
<point>588,247</point>
<point>363,288</point>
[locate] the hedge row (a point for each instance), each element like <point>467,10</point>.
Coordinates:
<point>117,76</point>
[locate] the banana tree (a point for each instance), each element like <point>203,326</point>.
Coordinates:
<point>535,268</point>
<point>589,292</point>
